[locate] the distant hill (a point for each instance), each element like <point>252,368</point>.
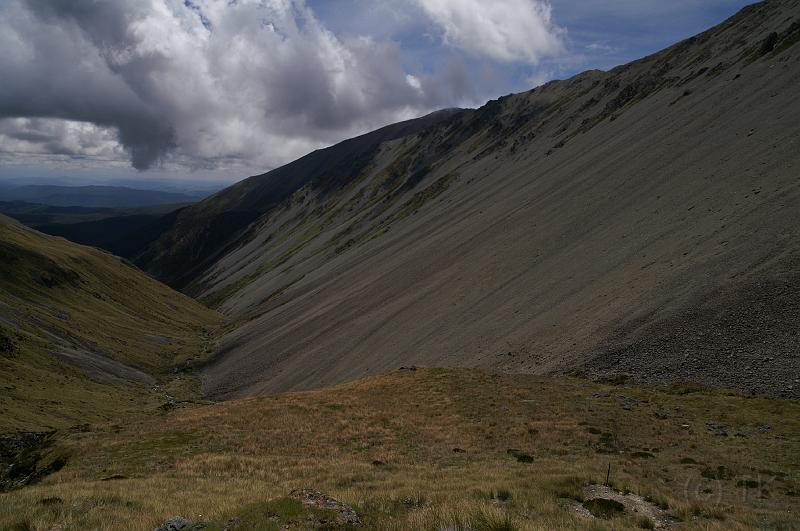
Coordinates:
<point>118,230</point>
<point>117,234</point>
<point>36,214</point>
<point>95,196</point>
<point>33,214</point>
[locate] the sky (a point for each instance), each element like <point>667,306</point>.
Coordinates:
<point>217,90</point>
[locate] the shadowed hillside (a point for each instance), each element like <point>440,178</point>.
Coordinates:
<point>120,231</point>
<point>85,336</point>
<point>200,235</point>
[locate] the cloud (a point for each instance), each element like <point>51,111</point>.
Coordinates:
<point>46,136</point>
<point>197,83</point>
<point>601,47</point>
<point>243,85</point>
<point>503,30</point>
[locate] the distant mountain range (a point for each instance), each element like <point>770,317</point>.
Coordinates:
<point>118,230</point>
<point>110,217</point>
<point>95,196</point>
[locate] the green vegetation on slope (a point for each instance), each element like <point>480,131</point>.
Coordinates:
<point>435,449</point>
<point>85,336</point>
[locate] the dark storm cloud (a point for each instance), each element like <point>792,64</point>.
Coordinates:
<point>209,80</point>
<point>56,73</point>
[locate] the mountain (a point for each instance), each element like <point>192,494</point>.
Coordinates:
<point>200,235</point>
<point>117,230</point>
<point>95,196</point>
<point>85,336</point>
<point>638,222</point>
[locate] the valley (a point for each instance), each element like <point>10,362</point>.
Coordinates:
<point>574,307</point>
<point>86,337</point>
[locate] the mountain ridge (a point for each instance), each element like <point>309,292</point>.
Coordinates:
<point>527,235</point>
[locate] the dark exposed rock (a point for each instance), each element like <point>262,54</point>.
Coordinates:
<point>719,430</point>
<point>26,458</point>
<point>177,523</point>
<point>768,44</point>
<point>522,457</point>
<point>741,335</point>
<point>7,345</point>
<point>13,444</point>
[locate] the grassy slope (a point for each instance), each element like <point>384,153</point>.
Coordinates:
<point>56,296</point>
<point>215,462</point>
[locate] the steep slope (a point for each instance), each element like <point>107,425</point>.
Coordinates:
<point>199,235</point>
<point>546,231</point>
<point>83,335</point>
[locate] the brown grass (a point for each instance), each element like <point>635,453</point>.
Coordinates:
<point>386,445</point>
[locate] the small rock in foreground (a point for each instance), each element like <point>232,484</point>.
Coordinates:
<point>176,523</point>
<point>346,514</point>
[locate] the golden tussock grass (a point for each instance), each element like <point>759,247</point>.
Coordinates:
<point>434,449</point>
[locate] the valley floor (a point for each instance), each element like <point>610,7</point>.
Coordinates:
<point>434,449</point>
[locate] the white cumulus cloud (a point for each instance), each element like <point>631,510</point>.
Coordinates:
<point>199,83</point>
<point>503,30</point>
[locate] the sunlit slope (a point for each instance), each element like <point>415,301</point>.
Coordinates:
<point>84,334</point>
